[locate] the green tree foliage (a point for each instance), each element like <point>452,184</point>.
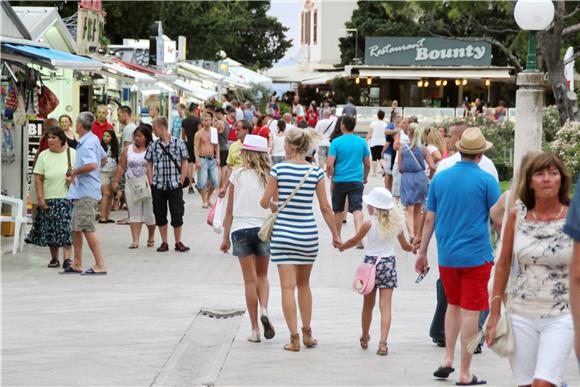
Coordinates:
<point>240,28</point>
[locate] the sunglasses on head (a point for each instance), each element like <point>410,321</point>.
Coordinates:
<point>421,276</point>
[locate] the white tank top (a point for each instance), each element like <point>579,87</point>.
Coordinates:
<point>248,190</point>
<point>136,164</point>
<point>376,245</point>
<point>278,145</point>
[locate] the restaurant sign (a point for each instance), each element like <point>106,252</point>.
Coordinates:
<point>417,51</point>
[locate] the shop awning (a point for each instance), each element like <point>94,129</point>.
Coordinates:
<point>147,70</point>
<point>200,71</point>
<point>124,73</point>
<point>320,78</point>
<point>196,92</point>
<point>54,58</point>
<point>416,72</point>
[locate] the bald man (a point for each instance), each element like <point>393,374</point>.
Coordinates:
<point>101,124</point>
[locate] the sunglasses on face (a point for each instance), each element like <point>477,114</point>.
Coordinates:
<point>421,276</point>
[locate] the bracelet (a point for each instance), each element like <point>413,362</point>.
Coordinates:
<point>494,297</point>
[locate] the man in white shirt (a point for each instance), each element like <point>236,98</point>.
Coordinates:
<point>127,126</point>
<point>325,127</point>
<point>287,117</point>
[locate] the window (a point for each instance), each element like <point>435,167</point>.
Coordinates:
<point>315,27</point>
<point>302,25</point>
<point>307,27</point>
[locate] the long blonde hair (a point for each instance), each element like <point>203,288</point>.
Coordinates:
<point>415,134</point>
<point>259,162</point>
<point>390,222</point>
<point>301,140</point>
<point>434,138</point>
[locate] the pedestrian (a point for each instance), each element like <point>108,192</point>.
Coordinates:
<point>234,161</point>
<point>127,127</point>
<point>400,138</point>
<point>133,165</point>
<point>376,139</point>
<point>297,110</point>
<point>52,224</point>
<point>458,210</point>
<point>248,112</point>
<point>294,243</point>
<point>277,141</point>
<point>190,126</point>
<point>153,112</point>
<point>243,220</point>
<point>389,153</point>
<point>434,145</point>
<point>414,184</point>
<point>166,170</point>
<point>207,156</point>
<point>85,192</point>
<point>349,109</point>
<point>287,117</point>
<point>443,134</point>
<point>500,113</point>
<point>178,117</point>
<point>381,233</point>
<point>101,124</point>
<point>572,228</point>
<point>325,127</point>
<point>348,165</point>
<point>110,145</point>
<point>539,299</point>
<point>261,129</point>
<point>65,122</point>
<point>273,107</point>
<point>223,132</point>
<point>312,115</point>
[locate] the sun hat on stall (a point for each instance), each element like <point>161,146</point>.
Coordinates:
<point>255,143</point>
<point>472,142</point>
<point>380,198</point>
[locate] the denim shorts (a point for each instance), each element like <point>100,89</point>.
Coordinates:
<point>246,243</point>
<point>208,170</point>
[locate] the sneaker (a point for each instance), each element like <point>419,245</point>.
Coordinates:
<point>163,248</point>
<point>181,247</point>
<point>255,337</point>
<point>268,328</point>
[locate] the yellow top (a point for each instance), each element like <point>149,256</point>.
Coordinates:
<point>235,155</point>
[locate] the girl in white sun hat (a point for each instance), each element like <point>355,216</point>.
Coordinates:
<point>385,226</point>
<point>244,217</point>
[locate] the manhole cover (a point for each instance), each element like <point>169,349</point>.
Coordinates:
<point>221,313</point>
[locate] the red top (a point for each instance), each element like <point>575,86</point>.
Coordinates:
<point>99,129</point>
<point>232,136</point>
<point>43,145</point>
<point>263,132</point>
<point>311,117</point>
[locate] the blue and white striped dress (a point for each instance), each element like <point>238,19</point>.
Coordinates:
<point>295,235</point>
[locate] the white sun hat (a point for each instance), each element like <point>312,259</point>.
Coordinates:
<point>380,198</point>
<point>255,143</point>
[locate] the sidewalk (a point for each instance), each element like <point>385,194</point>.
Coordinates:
<point>141,324</point>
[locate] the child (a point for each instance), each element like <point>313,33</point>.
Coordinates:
<point>381,231</point>
<point>244,217</point>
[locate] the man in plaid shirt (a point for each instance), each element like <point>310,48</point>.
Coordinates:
<point>167,159</point>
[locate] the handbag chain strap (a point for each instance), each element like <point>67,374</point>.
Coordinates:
<point>296,189</point>
<point>68,157</point>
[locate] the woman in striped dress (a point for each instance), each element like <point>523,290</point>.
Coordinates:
<point>294,243</point>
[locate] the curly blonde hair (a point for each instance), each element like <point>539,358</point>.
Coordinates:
<point>259,162</point>
<point>301,140</point>
<point>390,222</point>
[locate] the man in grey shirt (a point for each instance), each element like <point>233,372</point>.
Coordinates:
<point>349,109</point>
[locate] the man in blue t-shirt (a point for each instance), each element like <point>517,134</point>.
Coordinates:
<point>348,165</point>
<point>458,210</point>
<point>572,228</point>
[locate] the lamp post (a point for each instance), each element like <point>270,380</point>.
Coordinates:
<point>532,16</point>
<point>355,30</point>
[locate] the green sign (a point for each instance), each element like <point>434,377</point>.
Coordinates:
<point>399,51</point>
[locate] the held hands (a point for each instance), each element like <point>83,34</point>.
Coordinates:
<point>416,243</point>
<point>337,242</point>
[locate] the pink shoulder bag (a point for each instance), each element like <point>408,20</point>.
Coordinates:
<point>364,279</point>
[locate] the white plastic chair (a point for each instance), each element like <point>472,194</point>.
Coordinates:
<point>18,217</point>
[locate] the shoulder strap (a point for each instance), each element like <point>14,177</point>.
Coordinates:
<point>331,122</point>
<point>170,156</point>
<point>414,158</point>
<point>68,157</point>
<point>296,189</point>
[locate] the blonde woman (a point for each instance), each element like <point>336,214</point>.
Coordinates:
<point>414,184</point>
<point>384,228</point>
<point>294,244</point>
<point>243,220</point>
<point>435,145</point>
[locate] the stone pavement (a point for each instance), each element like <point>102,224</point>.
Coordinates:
<point>141,325</point>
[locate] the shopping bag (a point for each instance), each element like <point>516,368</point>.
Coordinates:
<point>211,215</point>
<point>219,215</point>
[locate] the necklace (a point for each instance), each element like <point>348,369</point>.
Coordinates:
<point>534,216</point>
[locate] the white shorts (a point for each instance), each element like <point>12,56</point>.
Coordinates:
<point>139,211</point>
<point>542,348</point>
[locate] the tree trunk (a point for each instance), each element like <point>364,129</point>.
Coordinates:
<point>550,45</point>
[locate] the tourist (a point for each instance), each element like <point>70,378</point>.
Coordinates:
<point>377,140</point>
<point>52,224</point>
<point>65,122</point>
<point>207,159</point>
<point>261,129</point>
<point>297,110</point>
<point>277,141</point>
<point>412,160</point>
<point>124,115</point>
<point>166,169</point>
<point>460,218</point>
<point>132,163</point>
<point>500,113</point>
<point>223,132</point>
<point>539,300</point>
<point>190,126</point>
<point>294,244</point>
<point>101,124</point>
<point>110,145</point>
<point>400,138</point>
<point>243,220</point>
<point>85,192</point>
<point>349,109</point>
<point>381,232</point>
<point>234,161</point>
<point>435,145</point>
<point>177,122</point>
<point>312,115</point>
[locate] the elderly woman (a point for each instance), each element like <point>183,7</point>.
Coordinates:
<point>539,297</point>
<point>52,224</point>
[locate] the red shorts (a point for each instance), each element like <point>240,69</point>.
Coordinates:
<point>466,287</point>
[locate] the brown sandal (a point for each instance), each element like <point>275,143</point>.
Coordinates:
<point>364,341</point>
<point>383,349</point>
<point>307,338</point>
<point>294,344</point>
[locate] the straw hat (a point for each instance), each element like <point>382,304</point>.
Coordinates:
<point>472,142</point>
<point>380,198</point>
<point>255,143</point>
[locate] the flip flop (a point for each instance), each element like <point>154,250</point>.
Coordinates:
<point>91,271</point>
<point>443,372</point>
<point>133,246</point>
<point>54,263</point>
<point>123,221</point>
<point>150,243</point>
<point>474,382</point>
<point>70,270</point>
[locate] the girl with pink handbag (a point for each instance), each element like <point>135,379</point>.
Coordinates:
<point>378,271</point>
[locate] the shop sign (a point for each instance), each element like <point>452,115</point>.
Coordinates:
<point>34,136</point>
<point>90,26</point>
<point>418,51</point>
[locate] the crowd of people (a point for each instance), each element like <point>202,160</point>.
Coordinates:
<point>436,181</point>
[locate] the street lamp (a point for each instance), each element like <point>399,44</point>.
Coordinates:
<point>355,30</point>
<point>533,16</point>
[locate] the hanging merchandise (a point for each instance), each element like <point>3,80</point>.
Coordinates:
<point>20,113</point>
<point>47,100</point>
<point>8,153</point>
<point>11,102</point>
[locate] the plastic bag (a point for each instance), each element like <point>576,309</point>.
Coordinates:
<point>216,215</point>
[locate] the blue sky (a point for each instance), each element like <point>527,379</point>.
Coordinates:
<point>288,13</point>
